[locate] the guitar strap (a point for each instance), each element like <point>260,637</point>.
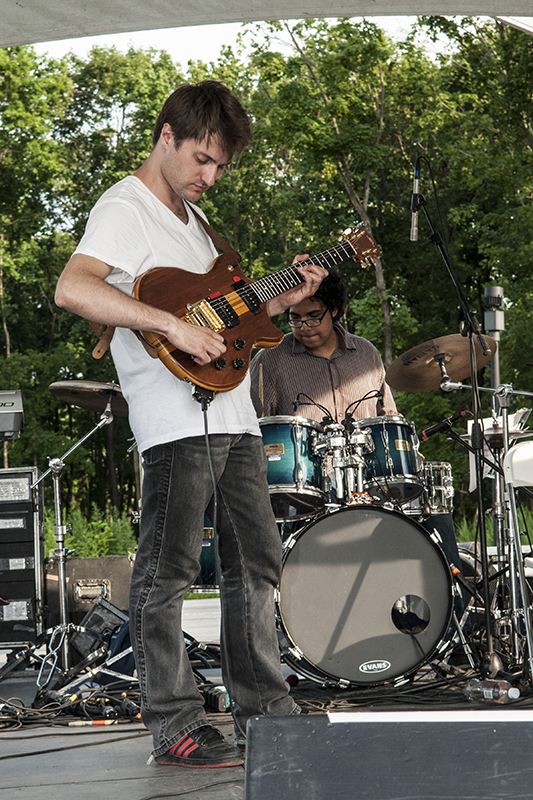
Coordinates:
<point>215,237</point>
<point>107,335</point>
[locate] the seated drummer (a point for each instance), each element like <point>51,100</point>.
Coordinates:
<point>323,361</point>
<point>321,364</point>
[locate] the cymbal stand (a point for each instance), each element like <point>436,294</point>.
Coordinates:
<point>516,561</point>
<point>509,547</point>
<point>491,662</point>
<point>58,642</point>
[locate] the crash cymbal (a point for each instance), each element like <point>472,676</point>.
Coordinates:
<point>418,369</point>
<point>92,396</point>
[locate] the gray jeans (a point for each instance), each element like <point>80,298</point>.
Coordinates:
<point>177,490</point>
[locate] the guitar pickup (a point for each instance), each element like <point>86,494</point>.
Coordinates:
<point>203,314</point>
<point>227,313</point>
<point>251,300</point>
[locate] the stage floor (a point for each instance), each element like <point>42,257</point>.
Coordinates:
<point>55,762</point>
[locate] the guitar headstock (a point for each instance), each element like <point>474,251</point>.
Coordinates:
<point>364,246</point>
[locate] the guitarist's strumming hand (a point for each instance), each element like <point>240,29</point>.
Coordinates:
<point>203,344</point>
<point>313,276</point>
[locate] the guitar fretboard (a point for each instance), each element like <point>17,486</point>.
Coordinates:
<point>271,286</point>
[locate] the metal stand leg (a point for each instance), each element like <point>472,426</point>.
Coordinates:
<point>58,637</point>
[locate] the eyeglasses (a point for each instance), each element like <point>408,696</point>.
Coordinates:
<point>312,322</point>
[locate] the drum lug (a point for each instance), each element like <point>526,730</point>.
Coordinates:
<point>290,541</point>
<point>400,680</point>
<point>437,538</point>
<point>295,652</point>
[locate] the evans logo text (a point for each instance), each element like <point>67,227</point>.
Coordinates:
<point>375,666</point>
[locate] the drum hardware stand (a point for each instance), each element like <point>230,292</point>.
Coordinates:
<point>348,443</point>
<point>507,539</point>
<point>504,393</point>
<point>360,443</point>
<point>491,662</point>
<point>333,441</point>
<point>460,637</point>
<point>58,636</point>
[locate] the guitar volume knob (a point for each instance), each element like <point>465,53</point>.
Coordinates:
<point>221,363</point>
<point>239,344</point>
<point>239,363</point>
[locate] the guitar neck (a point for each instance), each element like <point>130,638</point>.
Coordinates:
<point>271,286</point>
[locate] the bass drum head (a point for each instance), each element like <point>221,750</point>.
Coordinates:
<point>365,597</point>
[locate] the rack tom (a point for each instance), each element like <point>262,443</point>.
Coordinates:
<point>294,471</point>
<point>392,470</point>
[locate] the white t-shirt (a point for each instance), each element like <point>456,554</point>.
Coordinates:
<point>131,230</point>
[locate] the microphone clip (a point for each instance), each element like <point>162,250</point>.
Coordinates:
<point>417,201</point>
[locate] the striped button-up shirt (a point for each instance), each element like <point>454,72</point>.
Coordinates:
<point>281,375</point>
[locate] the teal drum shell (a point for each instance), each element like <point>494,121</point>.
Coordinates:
<point>393,468</point>
<point>294,471</point>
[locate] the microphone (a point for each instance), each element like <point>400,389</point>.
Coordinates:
<point>414,202</point>
<point>440,426</point>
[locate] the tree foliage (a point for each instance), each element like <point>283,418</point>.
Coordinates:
<point>339,118</point>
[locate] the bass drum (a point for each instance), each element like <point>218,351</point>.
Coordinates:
<point>365,597</point>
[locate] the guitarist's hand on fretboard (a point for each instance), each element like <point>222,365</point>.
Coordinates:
<point>312,275</point>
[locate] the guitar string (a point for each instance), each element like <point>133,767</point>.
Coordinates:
<point>267,287</point>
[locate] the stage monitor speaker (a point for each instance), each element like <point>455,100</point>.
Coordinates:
<point>21,557</point>
<point>104,619</point>
<point>478,754</point>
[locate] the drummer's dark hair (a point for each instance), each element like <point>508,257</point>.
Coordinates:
<point>332,292</point>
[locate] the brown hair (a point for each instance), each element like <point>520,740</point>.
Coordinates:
<point>202,110</point>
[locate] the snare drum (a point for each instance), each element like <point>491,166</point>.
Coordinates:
<point>392,469</point>
<point>294,470</point>
<point>438,481</point>
<point>365,597</point>
<point>437,496</point>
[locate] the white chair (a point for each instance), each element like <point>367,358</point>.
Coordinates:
<point>518,464</point>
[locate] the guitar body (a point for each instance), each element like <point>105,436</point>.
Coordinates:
<point>175,290</point>
<point>228,302</point>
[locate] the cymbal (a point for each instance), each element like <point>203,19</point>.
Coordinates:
<point>417,370</point>
<point>91,395</point>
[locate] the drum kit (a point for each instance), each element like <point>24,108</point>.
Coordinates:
<point>367,593</point>
<point>358,567</point>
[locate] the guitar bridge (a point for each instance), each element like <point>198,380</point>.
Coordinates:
<point>202,314</point>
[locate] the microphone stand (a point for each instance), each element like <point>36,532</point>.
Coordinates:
<point>491,662</point>
<point>58,642</point>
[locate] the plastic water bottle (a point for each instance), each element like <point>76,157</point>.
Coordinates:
<point>491,691</point>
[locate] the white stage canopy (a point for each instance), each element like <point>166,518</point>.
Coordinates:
<point>31,21</point>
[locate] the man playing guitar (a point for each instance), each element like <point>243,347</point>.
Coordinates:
<point>144,222</point>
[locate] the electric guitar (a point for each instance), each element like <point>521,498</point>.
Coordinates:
<point>225,300</point>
